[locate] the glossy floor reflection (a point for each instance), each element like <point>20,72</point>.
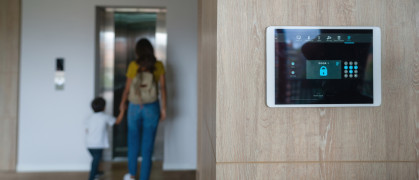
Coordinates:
<point>113,171</point>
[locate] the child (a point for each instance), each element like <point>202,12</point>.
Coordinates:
<point>96,133</point>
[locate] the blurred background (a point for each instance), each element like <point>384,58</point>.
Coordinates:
<point>73,51</point>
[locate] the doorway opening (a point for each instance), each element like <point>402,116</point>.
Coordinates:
<point>117,31</point>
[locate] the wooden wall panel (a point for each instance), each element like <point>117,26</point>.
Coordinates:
<point>9,35</point>
<point>313,171</point>
<point>249,131</point>
<point>414,93</point>
<point>207,65</point>
<point>206,155</point>
<point>253,141</point>
<point>207,81</point>
<point>9,73</point>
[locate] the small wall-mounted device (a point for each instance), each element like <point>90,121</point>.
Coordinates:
<point>59,78</point>
<point>323,66</point>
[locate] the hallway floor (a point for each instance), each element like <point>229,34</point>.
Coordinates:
<point>113,171</point>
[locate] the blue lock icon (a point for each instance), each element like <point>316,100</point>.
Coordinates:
<point>323,71</point>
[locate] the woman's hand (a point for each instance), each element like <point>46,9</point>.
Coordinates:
<point>120,117</point>
<point>162,82</point>
<point>122,107</point>
<point>162,114</point>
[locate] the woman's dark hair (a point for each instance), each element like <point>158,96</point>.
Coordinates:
<point>145,53</point>
<point>98,104</point>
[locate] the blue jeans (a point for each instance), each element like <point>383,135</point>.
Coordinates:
<point>97,156</point>
<point>142,127</point>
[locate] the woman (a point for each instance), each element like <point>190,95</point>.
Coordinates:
<point>145,79</point>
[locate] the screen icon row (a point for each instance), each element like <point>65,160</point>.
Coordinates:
<point>324,37</point>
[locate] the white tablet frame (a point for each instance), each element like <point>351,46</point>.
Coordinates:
<point>270,66</point>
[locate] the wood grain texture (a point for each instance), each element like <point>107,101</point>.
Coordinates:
<point>206,155</point>
<point>414,93</point>
<point>207,81</point>
<point>256,142</point>
<point>313,171</point>
<point>9,75</point>
<point>9,35</point>
<point>249,131</point>
<point>207,66</point>
<point>112,171</point>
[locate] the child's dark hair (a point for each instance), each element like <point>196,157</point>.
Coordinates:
<point>98,104</point>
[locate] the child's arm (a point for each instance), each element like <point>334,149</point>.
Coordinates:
<point>110,120</point>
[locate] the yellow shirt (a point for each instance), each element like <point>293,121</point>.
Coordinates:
<point>133,69</point>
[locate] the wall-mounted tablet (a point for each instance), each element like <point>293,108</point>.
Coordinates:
<point>323,66</point>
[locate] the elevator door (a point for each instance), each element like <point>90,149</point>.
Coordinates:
<point>119,30</point>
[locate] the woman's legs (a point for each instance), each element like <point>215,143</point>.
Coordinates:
<point>150,117</point>
<point>134,130</point>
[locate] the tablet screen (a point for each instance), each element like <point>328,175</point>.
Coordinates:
<point>323,66</point>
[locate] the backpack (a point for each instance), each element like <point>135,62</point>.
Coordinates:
<point>143,89</point>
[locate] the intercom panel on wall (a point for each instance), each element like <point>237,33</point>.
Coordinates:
<point>311,66</point>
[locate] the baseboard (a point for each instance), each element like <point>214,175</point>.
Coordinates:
<point>178,167</point>
<point>53,168</point>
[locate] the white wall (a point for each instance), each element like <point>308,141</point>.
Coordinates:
<point>50,122</point>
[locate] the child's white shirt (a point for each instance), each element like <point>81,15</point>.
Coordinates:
<point>96,130</point>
